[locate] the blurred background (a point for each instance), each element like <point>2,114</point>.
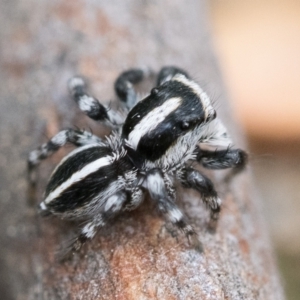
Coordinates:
<point>257,43</point>
<point>258,46</point>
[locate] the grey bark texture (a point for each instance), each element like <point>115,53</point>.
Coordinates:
<point>138,257</point>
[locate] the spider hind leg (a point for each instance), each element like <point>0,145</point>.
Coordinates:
<point>111,208</point>
<point>202,184</point>
<point>166,205</point>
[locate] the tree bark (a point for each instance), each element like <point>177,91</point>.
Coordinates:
<point>138,256</point>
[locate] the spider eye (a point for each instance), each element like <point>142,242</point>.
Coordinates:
<point>154,91</point>
<point>185,125</point>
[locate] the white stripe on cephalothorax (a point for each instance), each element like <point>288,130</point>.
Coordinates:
<point>77,176</point>
<point>152,120</point>
<point>208,109</point>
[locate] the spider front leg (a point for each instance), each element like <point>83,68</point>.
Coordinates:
<point>155,184</point>
<point>223,159</point>
<point>75,137</point>
<point>124,86</point>
<point>91,106</point>
<point>167,73</point>
<point>194,179</point>
<point>215,150</point>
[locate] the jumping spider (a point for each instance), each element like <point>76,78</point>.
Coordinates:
<point>148,150</point>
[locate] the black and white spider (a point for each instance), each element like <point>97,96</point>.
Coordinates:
<point>148,151</point>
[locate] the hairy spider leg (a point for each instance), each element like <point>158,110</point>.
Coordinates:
<point>91,106</point>
<point>78,138</point>
<point>136,198</point>
<point>194,179</point>
<point>223,159</point>
<point>167,73</point>
<point>215,149</point>
<point>113,206</point>
<point>155,184</point>
<point>124,85</point>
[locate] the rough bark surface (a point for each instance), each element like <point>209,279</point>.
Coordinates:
<point>138,256</point>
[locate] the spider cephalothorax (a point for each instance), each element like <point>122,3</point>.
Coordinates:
<point>147,151</point>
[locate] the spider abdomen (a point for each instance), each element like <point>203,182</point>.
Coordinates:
<point>82,182</point>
